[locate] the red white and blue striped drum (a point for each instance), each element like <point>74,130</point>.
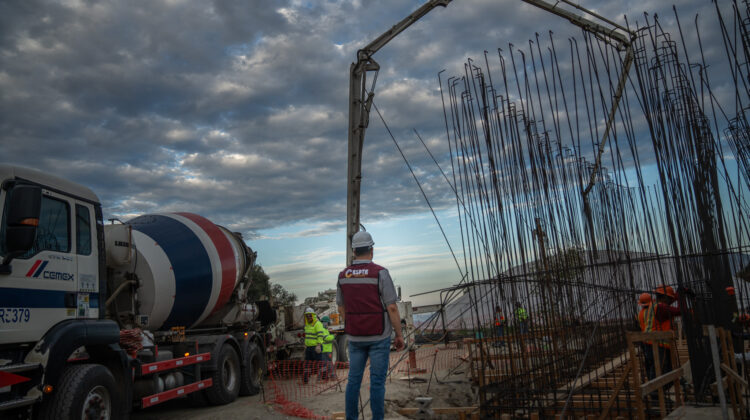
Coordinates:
<point>187,267</point>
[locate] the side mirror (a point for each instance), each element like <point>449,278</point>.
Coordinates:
<point>22,219</point>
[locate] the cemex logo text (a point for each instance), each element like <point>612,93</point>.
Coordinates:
<point>38,269</point>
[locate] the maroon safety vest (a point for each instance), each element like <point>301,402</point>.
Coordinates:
<point>360,287</point>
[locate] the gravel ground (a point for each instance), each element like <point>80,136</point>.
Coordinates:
<point>250,408</point>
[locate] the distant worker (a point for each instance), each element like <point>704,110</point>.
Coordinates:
<point>522,317</point>
<point>499,325</point>
<point>647,322</point>
<point>664,316</point>
<point>328,370</point>
<point>367,300</point>
<point>315,333</point>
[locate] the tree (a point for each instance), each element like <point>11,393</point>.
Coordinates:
<point>261,288</point>
<point>282,296</point>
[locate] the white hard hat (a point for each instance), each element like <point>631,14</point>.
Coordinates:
<point>362,239</point>
<point>309,311</point>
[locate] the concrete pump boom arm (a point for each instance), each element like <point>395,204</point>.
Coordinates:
<point>360,101</point>
<point>379,42</point>
<point>360,98</point>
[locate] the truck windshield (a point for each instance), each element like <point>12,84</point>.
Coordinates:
<point>53,233</point>
<point>54,227</point>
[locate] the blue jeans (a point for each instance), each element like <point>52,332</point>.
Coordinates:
<point>310,356</point>
<point>379,355</point>
<point>327,371</point>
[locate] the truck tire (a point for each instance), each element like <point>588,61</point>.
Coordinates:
<point>342,343</point>
<point>252,373</point>
<point>226,377</point>
<point>84,391</point>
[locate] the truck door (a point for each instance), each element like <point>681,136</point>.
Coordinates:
<point>41,290</point>
<point>88,303</point>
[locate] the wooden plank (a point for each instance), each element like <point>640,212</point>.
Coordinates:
<point>589,406</point>
<point>657,369</point>
<point>635,372</point>
<point>650,336</point>
<point>661,380</point>
<point>724,351</point>
<point>715,390</point>
<point>677,385</point>
<point>599,400</point>
<point>733,365</point>
<point>733,374</point>
<point>618,387</point>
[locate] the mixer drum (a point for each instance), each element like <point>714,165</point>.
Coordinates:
<point>187,268</point>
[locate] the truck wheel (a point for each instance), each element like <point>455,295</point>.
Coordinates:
<point>252,373</point>
<point>226,377</point>
<point>84,392</point>
<point>342,342</point>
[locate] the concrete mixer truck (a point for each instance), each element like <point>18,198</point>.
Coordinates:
<point>96,319</point>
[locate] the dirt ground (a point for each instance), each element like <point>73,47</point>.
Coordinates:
<point>250,408</point>
<point>447,391</point>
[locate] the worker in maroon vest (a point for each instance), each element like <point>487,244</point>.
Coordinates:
<point>367,299</point>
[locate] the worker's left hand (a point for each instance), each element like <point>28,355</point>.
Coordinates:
<point>398,343</point>
<point>317,349</point>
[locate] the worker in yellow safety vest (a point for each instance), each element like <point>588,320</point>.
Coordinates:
<point>315,335</point>
<point>522,317</point>
<point>328,370</point>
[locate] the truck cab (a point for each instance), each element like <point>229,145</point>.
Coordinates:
<point>57,279</point>
<point>51,280</point>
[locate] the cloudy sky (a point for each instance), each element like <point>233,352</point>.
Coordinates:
<point>237,110</point>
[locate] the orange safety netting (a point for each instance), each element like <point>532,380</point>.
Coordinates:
<point>294,384</point>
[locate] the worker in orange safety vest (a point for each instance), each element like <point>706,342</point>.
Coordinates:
<point>664,314</point>
<point>647,322</point>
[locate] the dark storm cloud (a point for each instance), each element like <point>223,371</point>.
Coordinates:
<point>237,109</point>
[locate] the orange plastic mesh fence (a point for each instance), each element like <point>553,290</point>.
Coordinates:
<point>294,384</point>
